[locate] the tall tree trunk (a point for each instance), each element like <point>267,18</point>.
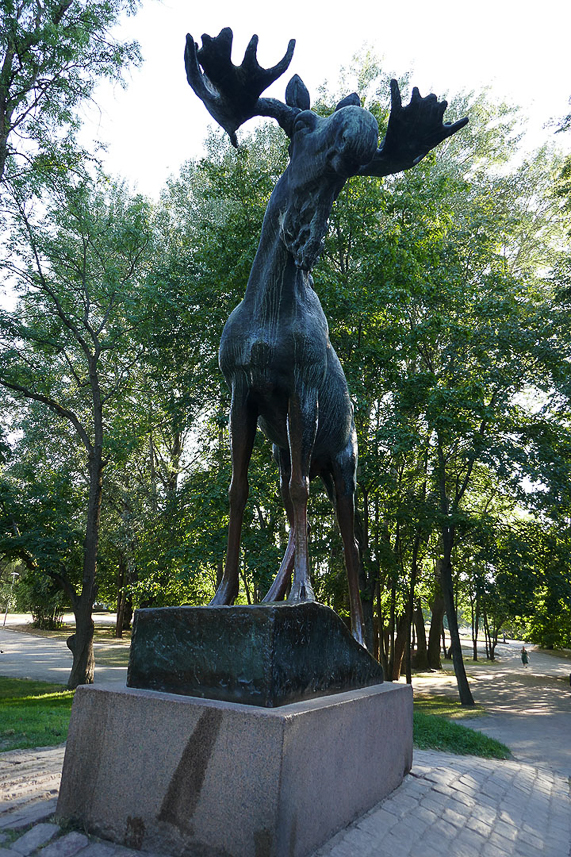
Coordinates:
<point>383,639</point>
<point>410,607</point>
<point>121,596</point>
<point>403,628</point>
<point>421,662</point>
<point>368,575</point>
<point>437,611</point>
<point>475,625</point>
<point>81,643</point>
<point>446,583</point>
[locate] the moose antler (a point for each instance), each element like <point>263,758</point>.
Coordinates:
<point>411,133</point>
<point>230,93</point>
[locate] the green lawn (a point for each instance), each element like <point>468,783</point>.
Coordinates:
<point>32,713</point>
<point>437,733</point>
<point>434,729</point>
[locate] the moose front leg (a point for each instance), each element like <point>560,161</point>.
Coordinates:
<point>278,588</point>
<point>302,428</point>
<point>243,419</point>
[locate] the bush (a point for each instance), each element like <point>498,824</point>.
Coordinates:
<point>37,594</point>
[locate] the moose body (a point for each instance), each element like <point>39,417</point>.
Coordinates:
<point>275,352</point>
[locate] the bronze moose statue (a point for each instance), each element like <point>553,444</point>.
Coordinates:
<point>275,352</point>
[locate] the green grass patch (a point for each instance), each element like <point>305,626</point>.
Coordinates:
<point>432,732</point>
<point>444,706</point>
<point>32,713</point>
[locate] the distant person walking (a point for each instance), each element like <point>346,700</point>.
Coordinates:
<point>524,656</point>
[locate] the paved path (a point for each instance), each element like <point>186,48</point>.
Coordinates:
<point>461,806</point>
<point>29,656</point>
<point>529,709</point>
<point>450,806</point>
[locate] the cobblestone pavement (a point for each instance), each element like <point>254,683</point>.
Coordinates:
<point>462,806</point>
<point>449,806</point>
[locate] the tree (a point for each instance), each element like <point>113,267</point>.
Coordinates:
<point>52,53</point>
<point>69,344</point>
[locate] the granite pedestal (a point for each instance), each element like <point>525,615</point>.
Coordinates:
<point>205,778</point>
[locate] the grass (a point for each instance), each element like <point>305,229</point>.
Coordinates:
<point>36,714</point>
<point>444,706</point>
<point>32,713</point>
<point>437,733</point>
<point>435,729</point>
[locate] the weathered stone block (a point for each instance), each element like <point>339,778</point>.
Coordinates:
<point>267,654</point>
<point>185,776</point>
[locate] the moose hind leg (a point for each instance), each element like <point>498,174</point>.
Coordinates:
<point>302,428</point>
<point>344,471</point>
<point>243,419</point>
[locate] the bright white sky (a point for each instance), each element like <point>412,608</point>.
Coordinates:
<point>520,50</point>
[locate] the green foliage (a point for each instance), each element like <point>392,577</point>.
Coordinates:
<point>52,54</point>
<point>39,595</point>
<point>32,713</point>
<point>446,290</point>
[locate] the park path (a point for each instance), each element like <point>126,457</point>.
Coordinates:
<point>25,655</point>
<point>528,709</point>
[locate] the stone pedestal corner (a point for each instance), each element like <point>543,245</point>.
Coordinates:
<point>186,776</point>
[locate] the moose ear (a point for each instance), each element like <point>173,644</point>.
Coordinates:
<point>297,94</point>
<point>352,100</point>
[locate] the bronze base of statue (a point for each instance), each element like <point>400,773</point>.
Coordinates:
<point>267,654</point>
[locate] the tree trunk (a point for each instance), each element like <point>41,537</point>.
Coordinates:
<point>383,639</point>
<point>421,662</point>
<point>464,691</point>
<point>81,645</point>
<point>403,628</point>
<point>367,581</point>
<point>475,626</point>
<point>437,609</point>
<point>121,597</point>
<point>410,607</point>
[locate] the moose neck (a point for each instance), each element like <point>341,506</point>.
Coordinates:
<point>290,242</point>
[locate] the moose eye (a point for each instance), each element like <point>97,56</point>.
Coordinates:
<point>305,121</point>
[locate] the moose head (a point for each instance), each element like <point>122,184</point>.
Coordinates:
<point>324,151</point>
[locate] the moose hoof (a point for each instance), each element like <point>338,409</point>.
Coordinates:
<point>222,598</point>
<point>301,592</point>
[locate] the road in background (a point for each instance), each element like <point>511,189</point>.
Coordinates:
<point>527,708</point>
<point>25,655</point>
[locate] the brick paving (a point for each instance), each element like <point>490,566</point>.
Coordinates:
<point>449,806</point>
<point>462,806</point>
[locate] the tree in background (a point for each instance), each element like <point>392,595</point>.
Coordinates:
<point>69,346</point>
<point>446,295</point>
<point>52,53</point>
